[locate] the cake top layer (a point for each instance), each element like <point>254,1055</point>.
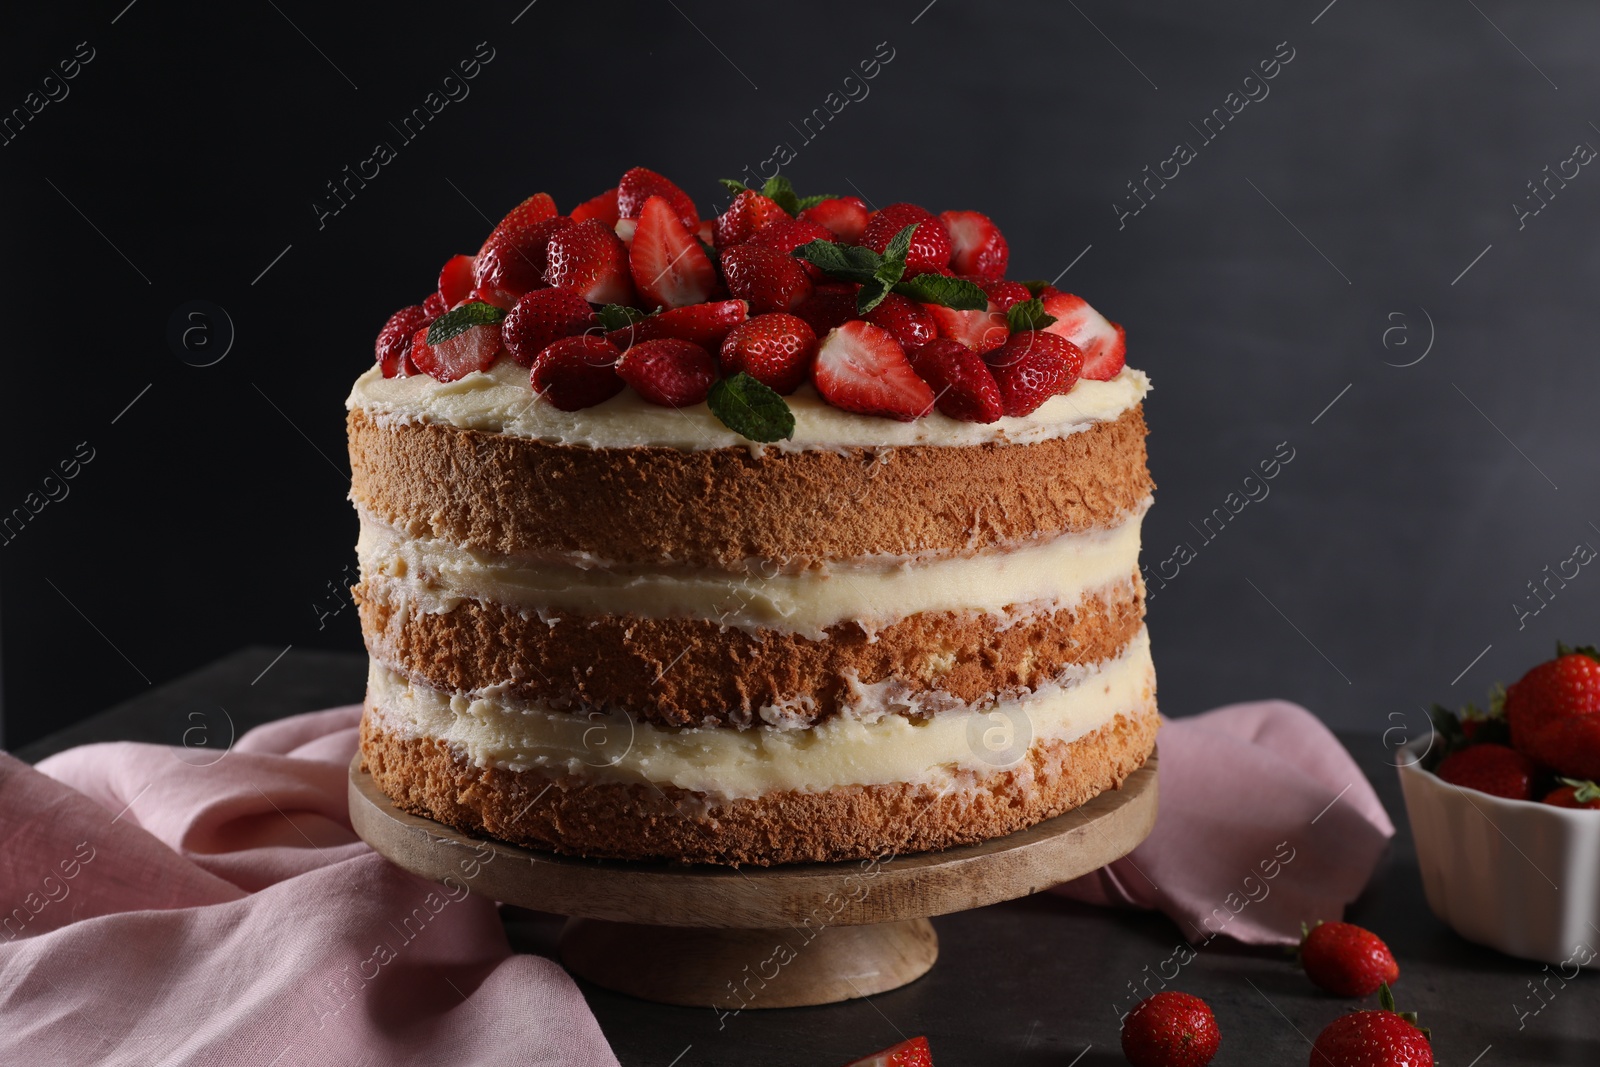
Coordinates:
<point>635,304</point>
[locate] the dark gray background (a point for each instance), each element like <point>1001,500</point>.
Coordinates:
<point>1256,287</point>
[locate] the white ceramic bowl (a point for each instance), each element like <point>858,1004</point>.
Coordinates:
<point>1516,875</point>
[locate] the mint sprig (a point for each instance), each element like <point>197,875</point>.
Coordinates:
<point>880,275</point>
<point>751,409</point>
<point>460,320</point>
<point>1028,315</point>
<point>780,191</point>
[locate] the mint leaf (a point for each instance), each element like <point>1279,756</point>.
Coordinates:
<point>462,319</point>
<point>871,294</point>
<point>751,409</point>
<point>900,244</point>
<point>851,263</point>
<point>1028,315</point>
<point>955,293</point>
<point>619,317</point>
<point>780,192</point>
<point>813,201</point>
<point>734,187</point>
<point>1036,286</point>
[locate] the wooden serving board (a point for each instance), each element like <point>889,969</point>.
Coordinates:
<point>706,935</point>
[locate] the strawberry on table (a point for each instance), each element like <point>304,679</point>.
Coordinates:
<point>668,371</point>
<point>775,349</point>
<point>1170,1029</point>
<point>930,244</point>
<point>1031,367</point>
<point>1554,713</point>
<point>1347,960</point>
<point>862,368</point>
<point>640,184</point>
<point>590,258</point>
<point>1381,1038</point>
<point>976,245</point>
<point>1572,793</point>
<point>912,1053</point>
<point>910,322</point>
<point>844,216</point>
<point>541,318</point>
<point>770,281</point>
<point>395,339</point>
<point>456,280</point>
<point>577,372</point>
<point>669,267</point>
<point>748,215</point>
<point>1102,342</point>
<point>704,324</point>
<point>964,388</point>
<point>602,207</point>
<point>1490,768</point>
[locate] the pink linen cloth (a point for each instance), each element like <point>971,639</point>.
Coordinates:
<point>1265,822</point>
<point>160,908</point>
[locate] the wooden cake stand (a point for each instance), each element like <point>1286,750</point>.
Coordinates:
<point>759,937</point>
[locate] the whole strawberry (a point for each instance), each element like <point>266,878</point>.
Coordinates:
<point>1554,713</point>
<point>1170,1029</point>
<point>776,349</point>
<point>395,339</point>
<point>1346,960</point>
<point>1382,1038</point>
<point>669,371</point>
<point>1490,768</point>
<point>1572,793</point>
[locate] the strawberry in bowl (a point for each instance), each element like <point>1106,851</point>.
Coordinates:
<point>1506,814</point>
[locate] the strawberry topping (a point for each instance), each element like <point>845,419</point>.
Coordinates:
<point>862,368</point>
<point>590,258</point>
<point>395,339</point>
<point>775,349</point>
<point>669,371</point>
<point>930,244</point>
<point>455,280</point>
<point>639,185</point>
<point>964,388</point>
<point>748,215</point>
<point>470,350</point>
<point>669,267</point>
<point>770,281</point>
<point>1102,343</point>
<point>909,321</point>
<point>513,261</point>
<point>845,216</point>
<point>1031,367</point>
<point>602,207</point>
<point>704,324</point>
<point>541,318</point>
<point>577,372</point>
<point>535,209</point>
<point>976,245</point>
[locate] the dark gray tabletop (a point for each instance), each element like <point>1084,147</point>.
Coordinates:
<point>1034,981</point>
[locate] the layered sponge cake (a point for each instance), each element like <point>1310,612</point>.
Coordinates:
<point>675,551</point>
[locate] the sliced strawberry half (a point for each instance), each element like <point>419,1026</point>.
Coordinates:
<point>577,372</point>
<point>862,368</point>
<point>770,281</point>
<point>930,244</point>
<point>395,339</point>
<point>602,207</point>
<point>456,280</point>
<point>964,388</point>
<point>470,350</point>
<point>748,215</point>
<point>909,321</point>
<point>536,208</point>
<point>591,259</point>
<point>981,331</point>
<point>775,349</point>
<point>912,1053</point>
<point>640,184</point>
<point>703,324</point>
<point>1103,343</point>
<point>513,260</point>
<point>976,244</point>
<point>541,318</point>
<point>1031,367</point>
<point>669,267</point>
<point>844,216</point>
<point>669,371</point>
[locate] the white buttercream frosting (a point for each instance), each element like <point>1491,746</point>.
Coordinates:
<point>491,730</point>
<point>500,400</point>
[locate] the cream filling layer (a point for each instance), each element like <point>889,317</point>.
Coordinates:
<point>492,731</point>
<point>500,400</point>
<point>437,576</point>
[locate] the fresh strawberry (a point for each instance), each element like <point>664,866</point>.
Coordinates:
<point>748,215</point>
<point>1571,793</point>
<point>786,235</point>
<point>455,280</point>
<point>912,1053</point>
<point>1490,768</point>
<point>1346,960</point>
<point>1554,714</point>
<point>976,244</point>
<point>537,208</point>
<point>963,386</point>
<point>513,261</point>
<point>639,185</point>
<point>908,320</point>
<point>669,267</point>
<point>602,207</point>
<point>541,318</point>
<point>775,349</point>
<point>862,368</point>
<point>591,259</point>
<point>981,331</point>
<point>844,216</point>
<point>930,244</point>
<point>1031,367</point>
<point>669,372</point>
<point>1001,293</point>
<point>395,339</point>
<point>435,305</point>
<point>1102,342</point>
<point>1170,1029</point>
<point>832,304</point>
<point>577,372</point>
<point>472,349</point>
<point>770,281</point>
<point>1382,1038</point>
<point>704,324</point>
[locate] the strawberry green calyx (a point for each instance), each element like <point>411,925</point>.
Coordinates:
<point>1581,650</point>
<point>460,320</point>
<point>1386,1002</point>
<point>880,275</point>
<point>1583,792</point>
<point>779,190</point>
<point>1028,315</point>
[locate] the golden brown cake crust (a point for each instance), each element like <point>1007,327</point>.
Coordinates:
<point>639,821</point>
<point>688,672</point>
<point>723,507</point>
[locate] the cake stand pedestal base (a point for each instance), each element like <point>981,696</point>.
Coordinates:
<point>759,937</point>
